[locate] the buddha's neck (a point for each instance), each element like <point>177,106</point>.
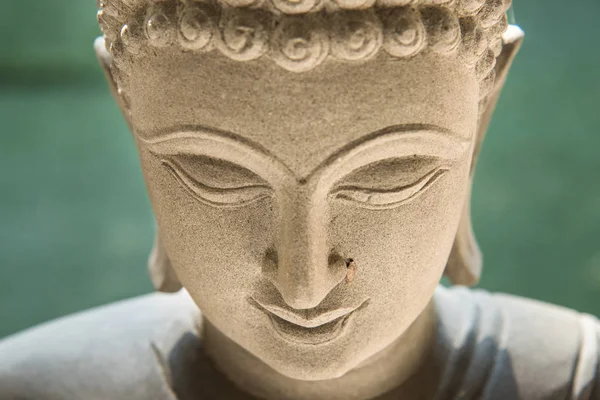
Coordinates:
<point>384,372</point>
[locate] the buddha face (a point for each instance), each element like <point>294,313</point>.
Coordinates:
<point>309,215</point>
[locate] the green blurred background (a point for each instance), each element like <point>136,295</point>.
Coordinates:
<point>76,226</point>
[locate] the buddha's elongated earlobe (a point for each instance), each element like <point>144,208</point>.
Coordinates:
<point>161,271</point>
<point>465,261</point>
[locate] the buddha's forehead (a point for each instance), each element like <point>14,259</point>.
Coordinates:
<point>302,118</point>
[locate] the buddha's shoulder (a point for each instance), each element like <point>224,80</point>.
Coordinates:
<point>118,351</point>
<point>502,346</point>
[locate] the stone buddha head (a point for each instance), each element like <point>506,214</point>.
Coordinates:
<point>309,162</point>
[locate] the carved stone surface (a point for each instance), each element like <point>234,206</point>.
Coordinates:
<point>309,164</point>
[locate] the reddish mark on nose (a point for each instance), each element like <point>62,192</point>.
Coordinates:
<point>352,268</point>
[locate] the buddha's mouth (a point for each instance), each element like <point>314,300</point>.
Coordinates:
<point>307,326</point>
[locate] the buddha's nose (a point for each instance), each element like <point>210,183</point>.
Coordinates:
<point>302,266</point>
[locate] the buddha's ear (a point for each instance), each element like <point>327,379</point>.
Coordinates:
<point>161,271</point>
<point>465,261</point>
<point>105,59</point>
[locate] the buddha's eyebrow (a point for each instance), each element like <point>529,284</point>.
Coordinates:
<point>185,138</point>
<point>393,142</point>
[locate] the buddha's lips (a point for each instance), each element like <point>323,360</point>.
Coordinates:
<point>311,318</point>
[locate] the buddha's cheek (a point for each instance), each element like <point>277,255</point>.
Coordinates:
<point>217,253</point>
<point>400,253</point>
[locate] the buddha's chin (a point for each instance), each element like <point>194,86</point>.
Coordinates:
<point>309,372</point>
<point>312,363</point>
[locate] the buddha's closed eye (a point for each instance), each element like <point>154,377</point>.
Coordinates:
<point>387,193</point>
<point>222,184</point>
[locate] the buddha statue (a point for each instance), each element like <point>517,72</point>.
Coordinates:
<point>309,164</point>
